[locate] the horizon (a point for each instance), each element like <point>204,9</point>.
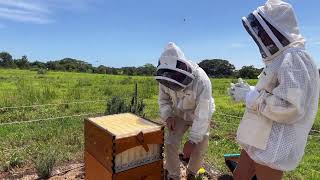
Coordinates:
<point>125,33</point>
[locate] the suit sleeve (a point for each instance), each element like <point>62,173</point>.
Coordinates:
<point>203,112</point>
<point>165,103</point>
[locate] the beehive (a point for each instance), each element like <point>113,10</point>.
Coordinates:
<point>123,146</point>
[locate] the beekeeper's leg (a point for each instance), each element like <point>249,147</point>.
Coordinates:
<point>172,144</point>
<point>197,156</point>
<point>265,172</point>
<point>245,167</point>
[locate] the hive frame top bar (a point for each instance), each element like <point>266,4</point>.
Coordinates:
<point>125,125</point>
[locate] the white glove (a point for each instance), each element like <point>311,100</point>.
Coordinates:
<point>251,97</point>
<point>239,91</point>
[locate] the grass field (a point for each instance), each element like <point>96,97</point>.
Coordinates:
<point>25,144</point>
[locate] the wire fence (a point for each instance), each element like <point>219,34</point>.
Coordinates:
<point>47,119</point>
<point>219,122</point>
<point>225,116</point>
<point>56,104</point>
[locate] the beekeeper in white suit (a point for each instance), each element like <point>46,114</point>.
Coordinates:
<point>185,100</point>
<point>281,108</point>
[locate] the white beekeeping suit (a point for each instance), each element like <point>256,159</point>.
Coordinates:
<point>280,114</point>
<point>184,93</point>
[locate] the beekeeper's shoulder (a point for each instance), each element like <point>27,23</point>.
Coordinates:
<point>202,78</point>
<point>291,59</point>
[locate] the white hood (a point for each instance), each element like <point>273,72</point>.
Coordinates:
<point>282,16</point>
<point>274,28</point>
<point>173,67</point>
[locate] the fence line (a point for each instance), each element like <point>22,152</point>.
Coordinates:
<point>227,123</point>
<point>314,136</point>
<point>227,115</point>
<point>47,119</point>
<point>315,131</point>
<point>315,171</point>
<point>44,105</point>
<point>89,114</point>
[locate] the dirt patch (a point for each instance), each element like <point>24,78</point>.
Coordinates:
<point>76,171</point>
<point>73,170</point>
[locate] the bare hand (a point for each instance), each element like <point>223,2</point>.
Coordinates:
<point>171,123</point>
<point>188,149</point>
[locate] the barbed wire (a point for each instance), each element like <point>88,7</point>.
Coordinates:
<point>53,104</point>
<point>57,104</point>
<point>314,136</point>
<point>235,126</point>
<point>47,119</point>
<point>315,171</point>
<point>315,131</point>
<point>95,101</point>
<point>227,115</point>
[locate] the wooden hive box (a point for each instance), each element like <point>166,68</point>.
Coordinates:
<point>123,146</point>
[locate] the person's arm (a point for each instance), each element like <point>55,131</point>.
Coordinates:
<point>165,104</point>
<point>203,112</point>
<point>287,102</point>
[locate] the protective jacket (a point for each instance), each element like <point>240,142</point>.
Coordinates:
<point>192,103</point>
<point>274,130</point>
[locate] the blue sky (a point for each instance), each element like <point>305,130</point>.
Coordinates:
<point>134,32</point>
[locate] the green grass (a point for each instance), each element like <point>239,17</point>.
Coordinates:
<point>21,144</point>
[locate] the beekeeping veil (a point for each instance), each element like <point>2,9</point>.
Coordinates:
<point>274,28</point>
<point>174,70</point>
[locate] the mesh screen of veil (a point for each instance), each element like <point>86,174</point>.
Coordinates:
<point>170,85</point>
<point>264,37</point>
<point>175,75</point>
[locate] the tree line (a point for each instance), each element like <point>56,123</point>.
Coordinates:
<point>216,68</point>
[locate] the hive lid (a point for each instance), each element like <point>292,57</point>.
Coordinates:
<point>125,125</point>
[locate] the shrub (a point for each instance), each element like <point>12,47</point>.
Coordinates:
<point>45,162</point>
<point>118,104</point>
<point>42,71</point>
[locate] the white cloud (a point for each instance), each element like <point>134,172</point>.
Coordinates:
<point>26,5</point>
<point>24,11</point>
<point>37,11</point>
<point>24,16</point>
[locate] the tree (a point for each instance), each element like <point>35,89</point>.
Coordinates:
<point>102,69</point>
<point>69,64</point>
<point>113,71</point>
<point>217,68</point>
<point>150,69</point>
<point>55,65</point>
<point>249,72</point>
<point>6,60</point>
<point>129,71</point>
<point>38,64</point>
<point>22,63</point>
<point>147,70</point>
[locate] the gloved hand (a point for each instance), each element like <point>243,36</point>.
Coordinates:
<point>239,91</point>
<point>251,96</point>
<point>171,123</point>
<point>188,148</point>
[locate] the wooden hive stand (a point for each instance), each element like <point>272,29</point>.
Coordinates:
<point>123,147</point>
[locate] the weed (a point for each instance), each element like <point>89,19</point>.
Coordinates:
<point>42,71</point>
<point>45,162</point>
<point>13,162</point>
